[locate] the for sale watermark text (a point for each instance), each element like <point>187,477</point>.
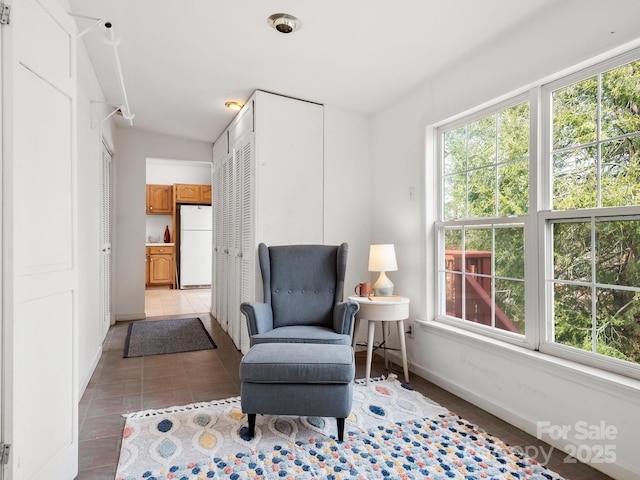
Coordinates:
<point>586,442</point>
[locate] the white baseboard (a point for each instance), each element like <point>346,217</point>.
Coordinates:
<point>618,470</point>
<point>87,377</point>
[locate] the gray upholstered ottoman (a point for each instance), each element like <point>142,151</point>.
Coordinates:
<point>297,379</point>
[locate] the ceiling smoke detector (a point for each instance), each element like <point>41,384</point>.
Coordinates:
<point>284,23</point>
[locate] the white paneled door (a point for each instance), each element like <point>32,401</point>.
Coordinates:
<point>39,219</point>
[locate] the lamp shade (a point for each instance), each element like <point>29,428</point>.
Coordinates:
<point>382,258</point>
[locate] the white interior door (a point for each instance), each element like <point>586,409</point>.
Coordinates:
<point>40,241</point>
<point>105,239</point>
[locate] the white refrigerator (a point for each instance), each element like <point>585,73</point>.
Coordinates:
<point>195,245</point>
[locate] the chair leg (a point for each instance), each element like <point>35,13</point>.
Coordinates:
<point>340,422</point>
<point>252,424</point>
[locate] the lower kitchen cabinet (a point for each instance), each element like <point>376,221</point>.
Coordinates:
<point>160,265</point>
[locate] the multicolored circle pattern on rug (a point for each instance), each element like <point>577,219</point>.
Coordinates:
<point>392,432</point>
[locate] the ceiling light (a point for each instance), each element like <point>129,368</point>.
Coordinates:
<point>284,23</point>
<point>235,106</point>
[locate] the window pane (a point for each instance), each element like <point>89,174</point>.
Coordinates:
<point>482,142</point>
<point>618,254</point>
<point>509,248</point>
<point>478,299</point>
<point>572,315</point>
<point>621,172</point>
<point>513,188</point>
<point>482,193</point>
<point>455,196</point>
<point>575,179</point>
<point>572,251</point>
<point>455,150</point>
<point>477,263</point>
<point>453,263</point>
<point>453,294</point>
<point>620,101</point>
<point>453,240</point>
<point>618,327</point>
<point>575,110</point>
<point>513,133</point>
<point>510,305</point>
<point>478,242</point>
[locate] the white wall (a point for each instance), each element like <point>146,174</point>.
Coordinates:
<point>164,171</point>
<point>133,147</point>
<point>90,325</point>
<point>347,192</point>
<point>521,386</point>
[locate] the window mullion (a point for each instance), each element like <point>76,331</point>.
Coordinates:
<point>463,273</point>
<point>493,277</point>
<point>594,298</point>
<point>599,144</point>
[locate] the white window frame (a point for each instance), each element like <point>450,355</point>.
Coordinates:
<point>539,322</point>
<point>527,221</point>
<point>546,215</point>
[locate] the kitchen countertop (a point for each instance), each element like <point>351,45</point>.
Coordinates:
<point>160,244</point>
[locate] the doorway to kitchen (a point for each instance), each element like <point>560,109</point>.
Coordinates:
<point>162,301</point>
<point>187,183</point>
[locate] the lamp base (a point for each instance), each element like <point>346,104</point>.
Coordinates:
<point>383,286</point>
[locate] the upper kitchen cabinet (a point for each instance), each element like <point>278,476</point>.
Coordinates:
<point>206,194</point>
<point>159,199</point>
<point>187,193</point>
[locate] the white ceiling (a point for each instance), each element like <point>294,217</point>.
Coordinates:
<point>181,60</point>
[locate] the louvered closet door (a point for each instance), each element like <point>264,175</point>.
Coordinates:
<point>105,234</point>
<point>224,254</point>
<point>233,311</point>
<point>216,208</point>
<point>248,260</point>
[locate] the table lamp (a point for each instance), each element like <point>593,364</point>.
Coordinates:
<point>382,258</point>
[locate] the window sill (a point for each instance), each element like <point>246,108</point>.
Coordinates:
<point>616,384</point>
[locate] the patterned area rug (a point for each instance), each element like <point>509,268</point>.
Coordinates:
<point>392,432</point>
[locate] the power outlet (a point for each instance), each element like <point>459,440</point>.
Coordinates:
<point>409,330</point>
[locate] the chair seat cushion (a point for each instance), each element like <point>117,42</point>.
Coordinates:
<point>298,363</point>
<point>302,334</point>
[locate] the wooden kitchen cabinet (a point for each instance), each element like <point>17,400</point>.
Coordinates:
<point>189,193</point>
<point>159,199</point>
<point>206,194</point>
<point>160,265</point>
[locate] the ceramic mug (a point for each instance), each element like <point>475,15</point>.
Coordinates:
<point>363,289</point>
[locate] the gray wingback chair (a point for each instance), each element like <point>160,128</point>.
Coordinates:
<point>303,290</point>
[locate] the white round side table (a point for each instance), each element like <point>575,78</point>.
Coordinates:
<point>395,309</point>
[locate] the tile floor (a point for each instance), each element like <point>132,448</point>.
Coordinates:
<point>162,300</point>
<point>121,385</point>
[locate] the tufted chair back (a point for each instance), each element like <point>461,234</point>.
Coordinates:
<point>303,283</point>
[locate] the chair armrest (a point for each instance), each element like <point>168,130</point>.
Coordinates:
<point>343,317</point>
<point>259,317</point>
